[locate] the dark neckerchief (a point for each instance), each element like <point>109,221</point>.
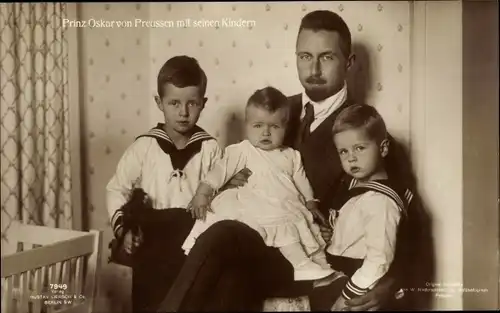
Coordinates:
<point>178,157</point>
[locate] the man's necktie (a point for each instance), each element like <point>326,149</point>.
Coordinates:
<point>305,125</point>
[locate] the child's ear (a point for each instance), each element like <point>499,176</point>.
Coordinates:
<point>384,148</point>
<point>158,102</point>
<point>204,101</point>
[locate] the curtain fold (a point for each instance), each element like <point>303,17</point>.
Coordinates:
<point>35,149</point>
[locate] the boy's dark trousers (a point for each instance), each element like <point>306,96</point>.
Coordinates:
<point>158,260</point>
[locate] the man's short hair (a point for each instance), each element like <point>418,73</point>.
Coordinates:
<point>182,71</point>
<point>329,21</point>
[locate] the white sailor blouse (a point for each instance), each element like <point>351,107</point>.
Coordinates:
<point>366,228</point>
<point>168,175</point>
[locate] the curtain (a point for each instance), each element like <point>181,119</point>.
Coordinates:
<point>35,150</point>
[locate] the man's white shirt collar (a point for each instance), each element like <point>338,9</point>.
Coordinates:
<point>324,108</point>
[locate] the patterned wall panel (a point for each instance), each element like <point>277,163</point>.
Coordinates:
<point>238,60</point>
<point>121,65</point>
<point>115,91</point>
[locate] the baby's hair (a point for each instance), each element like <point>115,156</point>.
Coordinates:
<point>361,116</point>
<point>182,71</point>
<point>268,98</point>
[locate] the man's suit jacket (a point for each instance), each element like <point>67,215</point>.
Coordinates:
<point>319,155</point>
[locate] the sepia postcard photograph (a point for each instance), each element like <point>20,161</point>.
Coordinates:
<point>249,156</point>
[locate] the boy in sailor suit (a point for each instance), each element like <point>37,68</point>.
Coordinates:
<point>366,227</point>
<point>167,163</point>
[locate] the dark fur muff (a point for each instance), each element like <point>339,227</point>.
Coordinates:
<point>137,203</point>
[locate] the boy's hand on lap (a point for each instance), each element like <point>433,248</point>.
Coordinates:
<point>131,242</point>
<point>201,212</point>
<point>199,206</point>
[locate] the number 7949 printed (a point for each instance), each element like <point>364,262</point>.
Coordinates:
<point>58,286</point>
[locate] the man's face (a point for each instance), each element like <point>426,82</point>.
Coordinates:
<point>321,66</point>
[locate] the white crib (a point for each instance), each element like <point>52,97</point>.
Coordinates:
<point>55,272</point>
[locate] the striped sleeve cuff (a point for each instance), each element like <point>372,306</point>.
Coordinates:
<point>117,222</point>
<point>352,291</point>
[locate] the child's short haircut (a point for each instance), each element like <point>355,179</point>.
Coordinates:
<point>268,98</point>
<point>361,116</point>
<point>182,71</point>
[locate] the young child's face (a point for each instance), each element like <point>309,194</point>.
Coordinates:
<point>181,107</point>
<point>361,156</point>
<point>264,129</point>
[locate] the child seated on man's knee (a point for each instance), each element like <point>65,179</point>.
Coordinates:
<point>278,201</point>
<point>166,163</point>
<point>365,228</point>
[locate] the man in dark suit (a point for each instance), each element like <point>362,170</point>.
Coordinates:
<point>324,57</point>
<point>230,268</point>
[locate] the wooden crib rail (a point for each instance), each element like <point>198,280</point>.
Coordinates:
<point>41,235</point>
<point>50,254</point>
<point>33,279</point>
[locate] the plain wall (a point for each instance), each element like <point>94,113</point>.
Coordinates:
<point>436,138</point>
<point>480,154</point>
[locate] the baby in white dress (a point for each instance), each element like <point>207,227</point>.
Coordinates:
<point>277,201</point>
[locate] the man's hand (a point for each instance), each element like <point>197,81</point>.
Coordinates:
<point>340,305</point>
<point>375,298</point>
<point>238,180</point>
<point>131,242</point>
